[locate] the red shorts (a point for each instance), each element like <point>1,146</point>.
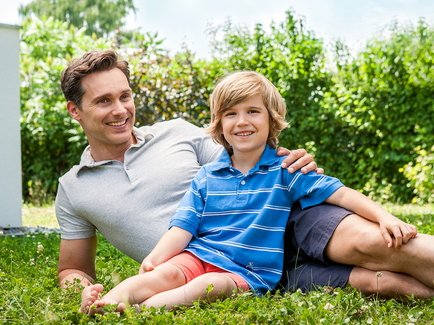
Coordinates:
<point>192,267</point>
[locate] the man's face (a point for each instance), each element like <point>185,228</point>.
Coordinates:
<point>107,111</point>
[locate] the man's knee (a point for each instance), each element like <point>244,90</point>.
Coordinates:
<point>354,238</point>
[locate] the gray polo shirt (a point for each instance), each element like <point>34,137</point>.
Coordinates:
<point>131,202</point>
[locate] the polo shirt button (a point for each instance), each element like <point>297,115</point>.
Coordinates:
<point>243,182</point>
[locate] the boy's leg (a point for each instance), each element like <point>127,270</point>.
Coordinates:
<point>89,295</point>
<point>358,241</point>
<point>138,288</point>
<point>209,286</point>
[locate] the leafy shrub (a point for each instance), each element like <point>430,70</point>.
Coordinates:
<point>362,121</point>
<point>292,58</point>
<point>420,173</point>
<point>380,108</point>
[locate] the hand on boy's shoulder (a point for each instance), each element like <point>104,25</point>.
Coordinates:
<point>298,159</point>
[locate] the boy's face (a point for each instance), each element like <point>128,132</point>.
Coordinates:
<point>246,126</point>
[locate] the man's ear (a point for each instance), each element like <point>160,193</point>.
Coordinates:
<point>73,110</point>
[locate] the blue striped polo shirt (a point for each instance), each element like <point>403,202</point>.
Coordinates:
<point>238,220</point>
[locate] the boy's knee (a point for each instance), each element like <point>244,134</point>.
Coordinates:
<point>169,272</point>
<point>217,283</point>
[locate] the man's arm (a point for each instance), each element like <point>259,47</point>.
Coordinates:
<point>77,261</point>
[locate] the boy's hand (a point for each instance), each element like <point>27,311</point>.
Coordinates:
<point>147,265</point>
<point>396,232</point>
<point>298,158</point>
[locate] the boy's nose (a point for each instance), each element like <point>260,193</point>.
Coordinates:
<point>242,119</point>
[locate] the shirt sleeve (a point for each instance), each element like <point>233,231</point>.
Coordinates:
<point>71,225</point>
<point>312,188</point>
<point>189,213</point>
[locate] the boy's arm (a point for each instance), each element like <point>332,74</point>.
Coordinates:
<point>392,229</point>
<point>170,244</point>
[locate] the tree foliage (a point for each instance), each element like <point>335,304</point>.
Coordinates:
<point>369,121</point>
<point>168,87</point>
<point>97,16</point>
<point>379,110</point>
<point>292,58</point>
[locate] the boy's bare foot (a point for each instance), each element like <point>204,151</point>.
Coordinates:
<point>98,306</point>
<point>89,295</point>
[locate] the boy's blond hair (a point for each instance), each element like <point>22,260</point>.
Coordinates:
<point>236,88</point>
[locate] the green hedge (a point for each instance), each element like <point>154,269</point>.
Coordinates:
<point>368,120</point>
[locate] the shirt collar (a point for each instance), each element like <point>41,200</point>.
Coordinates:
<point>87,160</point>
<point>268,158</point>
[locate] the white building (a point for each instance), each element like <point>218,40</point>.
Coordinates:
<point>10,143</point>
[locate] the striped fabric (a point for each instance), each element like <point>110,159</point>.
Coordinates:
<point>238,221</point>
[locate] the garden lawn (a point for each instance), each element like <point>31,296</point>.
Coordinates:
<point>29,293</point>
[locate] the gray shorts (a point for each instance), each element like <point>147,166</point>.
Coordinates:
<point>307,234</point>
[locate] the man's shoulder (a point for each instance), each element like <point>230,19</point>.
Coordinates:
<point>70,175</point>
<point>175,125</point>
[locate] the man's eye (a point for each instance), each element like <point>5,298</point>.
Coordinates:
<point>125,97</point>
<point>103,101</point>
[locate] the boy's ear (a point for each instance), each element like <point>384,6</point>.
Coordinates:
<point>73,110</point>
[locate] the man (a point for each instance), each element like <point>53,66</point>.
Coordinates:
<point>129,182</point>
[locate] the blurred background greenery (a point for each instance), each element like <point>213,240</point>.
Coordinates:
<point>367,117</point>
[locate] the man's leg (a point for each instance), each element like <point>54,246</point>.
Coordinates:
<point>388,284</point>
<point>320,237</point>
<point>314,274</point>
<point>357,241</point>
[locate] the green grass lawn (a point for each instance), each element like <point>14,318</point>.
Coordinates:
<point>29,293</point>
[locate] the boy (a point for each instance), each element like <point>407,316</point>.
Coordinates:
<point>228,232</point>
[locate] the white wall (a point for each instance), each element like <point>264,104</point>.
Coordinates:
<point>10,144</point>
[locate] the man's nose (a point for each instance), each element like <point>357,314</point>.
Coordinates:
<point>118,108</point>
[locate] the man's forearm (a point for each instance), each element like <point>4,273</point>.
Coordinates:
<point>70,276</point>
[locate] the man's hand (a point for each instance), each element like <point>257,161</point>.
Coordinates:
<point>298,158</point>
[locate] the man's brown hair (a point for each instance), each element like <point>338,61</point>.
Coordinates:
<point>90,62</point>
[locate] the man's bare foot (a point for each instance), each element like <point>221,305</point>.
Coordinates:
<point>89,295</point>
